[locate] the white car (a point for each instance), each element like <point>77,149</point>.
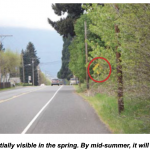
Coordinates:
<point>55,82</point>
<point>73,81</point>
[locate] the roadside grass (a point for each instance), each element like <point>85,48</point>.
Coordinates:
<point>5,89</point>
<point>131,121</point>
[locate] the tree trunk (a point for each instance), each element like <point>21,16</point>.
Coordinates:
<point>120,82</point>
<point>86,56</point>
<point>79,83</point>
<point>119,70</point>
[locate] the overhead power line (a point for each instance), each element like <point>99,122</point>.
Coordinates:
<point>3,36</point>
<point>43,63</point>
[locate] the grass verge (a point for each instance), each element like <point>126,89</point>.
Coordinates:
<point>131,121</point>
<point>5,89</point>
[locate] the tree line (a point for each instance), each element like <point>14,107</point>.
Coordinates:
<point>30,72</point>
<point>9,63</point>
<point>118,32</point>
<point>29,69</point>
<point>24,66</point>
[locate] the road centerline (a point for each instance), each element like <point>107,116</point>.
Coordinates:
<point>15,96</point>
<point>32,121</point>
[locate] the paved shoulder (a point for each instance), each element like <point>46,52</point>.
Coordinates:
<point>68,113</point>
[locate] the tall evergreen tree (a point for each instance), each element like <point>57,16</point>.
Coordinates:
<point>30,59</point>
<point>1,47</point>
<point>65,71</point>
<point>65,27</point>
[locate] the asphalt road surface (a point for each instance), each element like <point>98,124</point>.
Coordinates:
<point>46,110</point>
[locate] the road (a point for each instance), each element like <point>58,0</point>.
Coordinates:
<point>45,110</point>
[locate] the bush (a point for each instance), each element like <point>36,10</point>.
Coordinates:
<point>19,84</point>
<point>27,84</point>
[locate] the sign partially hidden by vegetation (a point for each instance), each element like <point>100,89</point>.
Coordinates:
<point>121,34</point>
<point>97,68</point>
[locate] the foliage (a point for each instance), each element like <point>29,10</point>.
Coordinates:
<point>132,42</point>
<point>27,84</point>
<point>64,71</point>
<point>65,26</point>
<point>77,48</point>
<point>128,122</point>
<point>1,47</point>
<point>135,40</point>
<point>9,62</point>
<point>103,27</point>
<point>30,58</point>
<point>74,9</point>
<point>44,79</point>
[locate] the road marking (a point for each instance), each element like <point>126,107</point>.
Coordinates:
<point>32,121</point>
<point>5,100</point>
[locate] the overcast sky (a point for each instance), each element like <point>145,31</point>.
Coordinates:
<point>27,21</point>
<point>34,13</point>
<point>26,13</point>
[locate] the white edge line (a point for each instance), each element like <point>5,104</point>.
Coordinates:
<point>29,125</point>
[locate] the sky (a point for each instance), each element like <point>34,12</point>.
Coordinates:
<point>27,21</point>
<point>26,13</point>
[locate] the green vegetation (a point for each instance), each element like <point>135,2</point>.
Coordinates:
<point>1,47</point>
<point>27,84</point>
<point>121,34</point>
<point>65,27</point>
<point>44,79</point>
<point>19,84</point>
<point>9,63</point>
<point>130,121</point>
<point>77,47</point>
<point>29,57</point>
<point>64,70</point>
<point>6,89</point>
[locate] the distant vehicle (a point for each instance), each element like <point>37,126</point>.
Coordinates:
<point>60,82</point>
<point>73,81</point>
<point>42,84</point>
<point>55,82</point>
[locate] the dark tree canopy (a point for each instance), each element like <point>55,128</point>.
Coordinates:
<point>65,71</point>
<point>28,55</point>
<point>75,9</point>
<point>65,26</point>
<point>1,47</point>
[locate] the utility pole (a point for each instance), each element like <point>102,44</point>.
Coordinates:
<point>32,72</point>
<point>4,80</point>
<point>86,55</point>
<point>33,69</point>
<point>23,69</point>
<point>38,69</point>
<point>119,70</point>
